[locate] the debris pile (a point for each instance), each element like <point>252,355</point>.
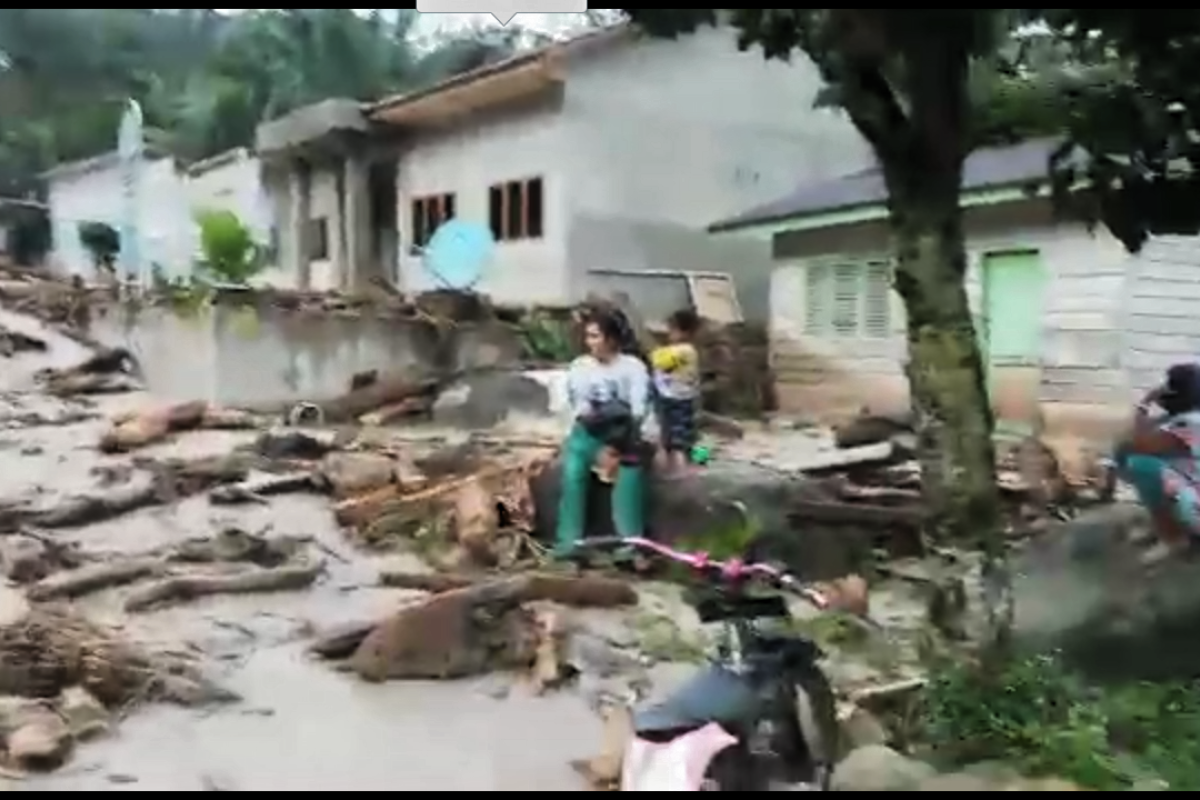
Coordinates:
<point>878,482</point>
<point>62,678</point>
<point>738,380</point>
<point>231,562</point>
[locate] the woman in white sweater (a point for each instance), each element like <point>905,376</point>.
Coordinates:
<point>603,384</point>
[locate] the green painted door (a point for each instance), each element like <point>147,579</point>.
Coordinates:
<point>1011,327</point>
<point>1013,285</point>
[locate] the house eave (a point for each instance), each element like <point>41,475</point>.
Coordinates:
<point>868,212</point>
<point>535,76</point>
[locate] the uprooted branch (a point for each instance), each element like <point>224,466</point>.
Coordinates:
<point>130,432</point>
<point>183,588</point>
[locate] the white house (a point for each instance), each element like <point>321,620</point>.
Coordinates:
<point>591,159</point>
<point>1072,326</point>
<point>169,197</point>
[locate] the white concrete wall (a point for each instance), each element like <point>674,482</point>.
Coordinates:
<point>1160,319</point>
<point>653,141</point>
<point>470,158</point>
<point>169,200</point>
<point>92,192</point>
<point>690,131</point>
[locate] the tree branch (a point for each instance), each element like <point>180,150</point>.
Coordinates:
<point>873,108</point>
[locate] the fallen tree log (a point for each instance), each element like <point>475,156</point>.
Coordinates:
<point>88,509</point>
<point>182,588</point>
<point>257,490</point>
<point>386,391</point>
<point>106,361</point>
<point>88,384</point>
<point>91,578</point>
<point>432,582</point>
<point>13,342</point>
<point>106,371</point>
<point>394,412</point>
<point>361,511</point>
<point>152,426</point>
<point>184,477</point>
<point>588,591</point>
<point>475,629</point>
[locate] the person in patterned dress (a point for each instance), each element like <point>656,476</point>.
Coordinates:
<point>1161,460</point>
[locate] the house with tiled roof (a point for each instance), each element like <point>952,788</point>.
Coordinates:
<point>597,164</point>
<point>1072,326</point>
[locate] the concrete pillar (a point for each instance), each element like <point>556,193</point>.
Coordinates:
<point>294,239</point>
<point>356,183</point>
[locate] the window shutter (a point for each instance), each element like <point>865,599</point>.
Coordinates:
<point>847,289</point>
<point>817,296</point>
<point>877,301</point>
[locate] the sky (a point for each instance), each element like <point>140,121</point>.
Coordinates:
<point>434,23</point>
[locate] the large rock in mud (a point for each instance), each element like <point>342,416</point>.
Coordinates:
<point>708,502</point>
<point>1081,589</point>
<point>486,398</point>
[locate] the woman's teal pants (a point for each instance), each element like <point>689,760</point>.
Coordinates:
<point>628,498</point>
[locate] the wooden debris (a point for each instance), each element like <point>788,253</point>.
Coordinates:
<point>13,342</point>
<point>257,490</point>
<point>152,426</point>
<point>85,580</point>
<point>432,582</point>
<point>385,391</point>
<point>88,509</point>
<point>182,588</point>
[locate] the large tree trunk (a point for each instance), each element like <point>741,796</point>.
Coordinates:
<point>918,122</point>
<point>945,373</point>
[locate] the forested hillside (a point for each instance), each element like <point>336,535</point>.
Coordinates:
<point>205,80</point>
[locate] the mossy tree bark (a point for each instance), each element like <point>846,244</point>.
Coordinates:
<point>947,385</point>
<point>921,146</point>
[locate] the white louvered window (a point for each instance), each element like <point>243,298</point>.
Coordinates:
<point>877,300</point>
<point>849,300</point>
<point>818,312</point>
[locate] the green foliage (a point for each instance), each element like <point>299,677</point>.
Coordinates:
<point>186,296</point>
<point>731,536</point>
<point>102,242</point>
<point>229,252</point>
<point>1046,720</point>
<point>546,339</point>
<point>205,79</point>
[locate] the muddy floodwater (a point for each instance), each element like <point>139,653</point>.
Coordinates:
<point>301,726</point>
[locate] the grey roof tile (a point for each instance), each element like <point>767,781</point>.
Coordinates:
<point>993,166</point>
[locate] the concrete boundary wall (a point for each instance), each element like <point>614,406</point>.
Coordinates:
<point>242,356</point>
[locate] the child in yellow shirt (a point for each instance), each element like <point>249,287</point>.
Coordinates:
<point>676,375</point>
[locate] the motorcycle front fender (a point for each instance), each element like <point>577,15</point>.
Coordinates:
<point>713,694</point>
<point>675,766</point>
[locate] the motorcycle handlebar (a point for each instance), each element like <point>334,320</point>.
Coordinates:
<point>731,570</point>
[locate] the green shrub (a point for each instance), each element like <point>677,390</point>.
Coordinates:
<point>228,250</point>
<point>1047,720</point>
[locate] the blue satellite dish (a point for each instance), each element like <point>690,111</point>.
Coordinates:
<point>457,253</point>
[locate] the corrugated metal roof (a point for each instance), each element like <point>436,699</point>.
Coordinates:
<point>990,167</point>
